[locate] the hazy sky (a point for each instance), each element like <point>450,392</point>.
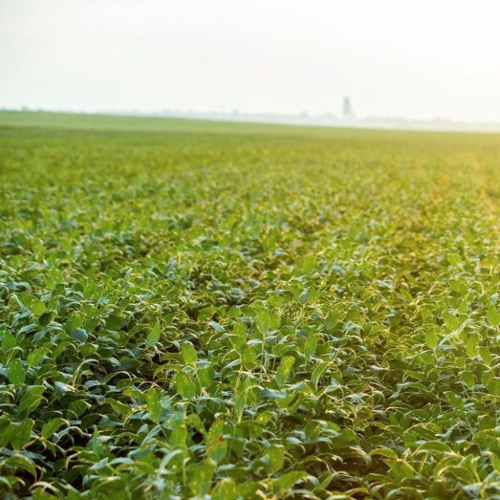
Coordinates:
<point>415,59</point>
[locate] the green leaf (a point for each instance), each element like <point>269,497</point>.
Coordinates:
<point>20,463</point>
<point>493,316</point>
<point>318,371</point>
<point>185,386</point>
<point>153,336</point>
<point>96,442</point>
<point>486,355</point>
<point>495,461</point>
<point>43,494</point>
<point>6,428</point>
<point>238,338</point>
<point>38,307</point>
<point>471,345</point>
<point>284,369</point>
<point>189,354</point>
<point>454,400</point>
<point>79,334</point>
<point>272,394</point>
<point>46,318</point>
<point>288,481</point>
<point>332,320</point>
<point>225,489</point>
<point>153,401</point>
<point>262,321</point>
<point>310,347</point>
<point>384,452</point>
<point>402,469</point>
<point>114,323</point>
<point>202,478</point>
<point>345,437</point>
<point>119,407</point>
<point>31,399</point>
<point>276,457</point>
<point>469,379</point>
<point>21,434</point>
<point>267,321</point>
<point>36,356</point>
<point>493,385</point>
<point>51,426</point>
<point>179,433</point>
<point>62,388</point>
<point>249,490</point>
<point>431,337</point>
<point>451,322</point>
<point>216,444</point>
<point>205,375</point>
<point>17,373</point>
<point>240,403</point>
<point>8,342</point>
<point>216,326</point>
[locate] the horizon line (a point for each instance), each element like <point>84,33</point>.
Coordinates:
<point>327,119</point>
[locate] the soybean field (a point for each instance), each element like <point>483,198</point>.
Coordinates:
<point>227,311</point>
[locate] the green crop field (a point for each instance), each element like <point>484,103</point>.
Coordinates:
<point>238,311</point>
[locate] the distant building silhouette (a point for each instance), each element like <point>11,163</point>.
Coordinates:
<point>347,112</point>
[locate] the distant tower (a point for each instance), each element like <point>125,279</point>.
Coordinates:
<point>347,112</point>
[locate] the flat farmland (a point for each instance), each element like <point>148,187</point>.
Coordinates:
<point>194,309</point>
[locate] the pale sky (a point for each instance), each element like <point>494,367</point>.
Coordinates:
<point>414,59</point>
